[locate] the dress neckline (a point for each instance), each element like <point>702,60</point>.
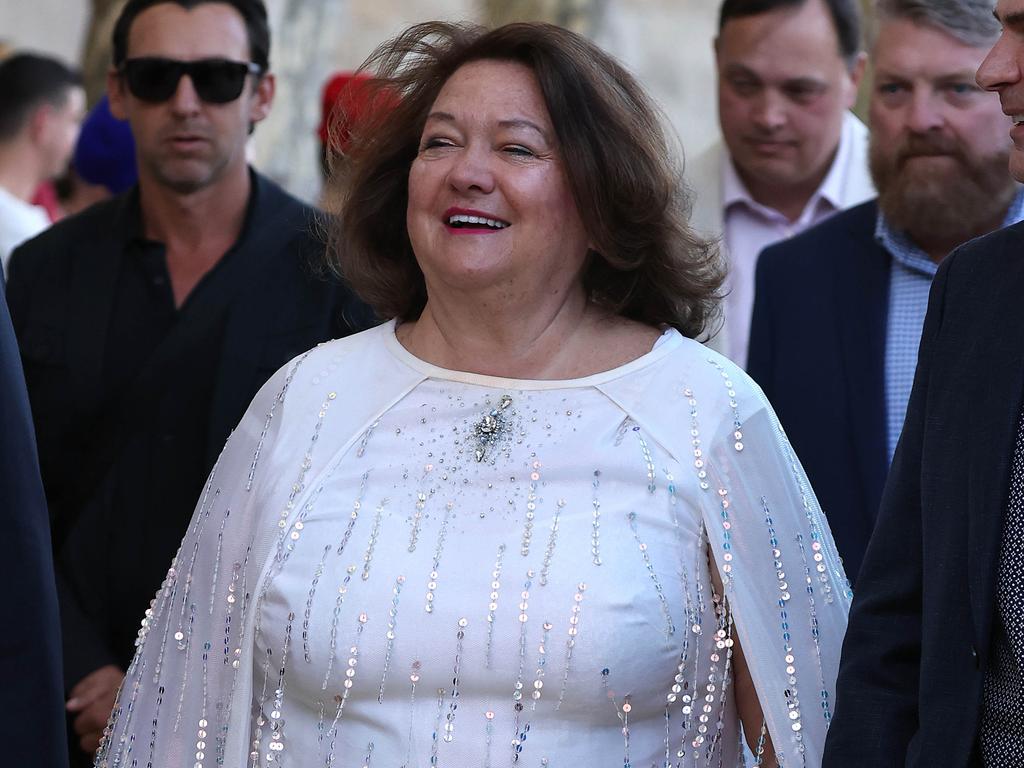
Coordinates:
<point>669,340</point>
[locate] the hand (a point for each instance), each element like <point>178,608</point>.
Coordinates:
<point>93,699</point>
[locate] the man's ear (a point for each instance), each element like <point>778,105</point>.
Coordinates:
<point>263,98</point>
<point>856,77</point>
<point>116,94</point>
<point>39,122</point>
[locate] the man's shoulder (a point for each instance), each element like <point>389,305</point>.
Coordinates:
<point>276,201</point>
<point>97,217</point>
<point>20,219</point>
<point>285,224</point>
<point>67,239</point>
<point>995,245</point>
<point>841,236</point>
<point>985,265</point>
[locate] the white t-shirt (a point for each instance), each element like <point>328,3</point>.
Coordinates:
<point>19,221</point>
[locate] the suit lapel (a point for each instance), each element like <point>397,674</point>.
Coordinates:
<point>250,314</point>
<point>862,295</point>
<point>997,365</point>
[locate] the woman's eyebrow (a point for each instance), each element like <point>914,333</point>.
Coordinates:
<point>444,117</point>
<point>522,122</point>
<point>517,122</point>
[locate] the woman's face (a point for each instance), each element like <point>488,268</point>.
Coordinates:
<point>489,202</point>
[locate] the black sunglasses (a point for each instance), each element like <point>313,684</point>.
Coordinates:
<point>217,81</point>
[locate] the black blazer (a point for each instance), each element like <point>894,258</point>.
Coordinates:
<point>917,649</point>
<point>30,643</point>
<point>817,349</point>
<point>61,293</point>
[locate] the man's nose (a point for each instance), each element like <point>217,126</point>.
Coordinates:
<point>185,99</point>
<point>924,113</point>
<point>770,110</point>
<point>1002,67</point>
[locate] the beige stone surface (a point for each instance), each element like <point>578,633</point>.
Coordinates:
<point>56,27</point>
<point>667,44</point>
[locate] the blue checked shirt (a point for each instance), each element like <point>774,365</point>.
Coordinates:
<point>910,278</point>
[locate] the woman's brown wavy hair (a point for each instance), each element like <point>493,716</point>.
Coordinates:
<point>646,262</point>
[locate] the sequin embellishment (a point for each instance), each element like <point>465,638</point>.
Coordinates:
<point>492,427</point>
<point>550,550</point>
<point>595,526</point>
<point>492,606</point>
<point>570,643</point>
<point>350,673</point>
<point>449,724</point>
<point>392,618</point>
<point>531,509</point>
<point>441,536</point>
<point>670,627</point>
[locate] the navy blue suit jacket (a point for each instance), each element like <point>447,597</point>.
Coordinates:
<point>918,645</point>
<point>817,348</point>
<point>30,643</point>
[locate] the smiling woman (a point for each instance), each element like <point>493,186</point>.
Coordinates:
<point>490,155</point>
<point>561,108</point>
<point>529,520</point>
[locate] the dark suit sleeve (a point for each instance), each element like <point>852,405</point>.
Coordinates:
<point>18,288</point>
<point>759,353</point>
<point>30,644</point>
<point>83,570</point>
<point>877,692</point>
<point>84,647</point>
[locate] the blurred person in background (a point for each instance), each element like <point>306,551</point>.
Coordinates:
<point>791,152</point>
<point>838,310</point>
<point>148,322</point>
<point>103,163</point>
<point>41,107</point>
<point>347,100</point>
<point>343,100</point>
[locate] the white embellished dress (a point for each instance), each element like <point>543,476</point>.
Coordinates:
<point>395,564</point>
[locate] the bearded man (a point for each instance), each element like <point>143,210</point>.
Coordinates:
<point>838,310</point>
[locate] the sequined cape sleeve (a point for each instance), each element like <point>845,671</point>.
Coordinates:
<point>187,695</point>
<point>784,582</point>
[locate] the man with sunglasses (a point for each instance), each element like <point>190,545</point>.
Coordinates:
<point>148,323</point>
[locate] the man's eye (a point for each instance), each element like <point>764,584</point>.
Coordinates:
<point>889,89</point>
<point>802,92</point>
<point>961,89</point>
<point>745,87</point>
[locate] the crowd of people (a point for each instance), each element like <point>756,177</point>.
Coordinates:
<point>531,443</point>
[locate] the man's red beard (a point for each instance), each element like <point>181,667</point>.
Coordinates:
<point>941,201</point>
